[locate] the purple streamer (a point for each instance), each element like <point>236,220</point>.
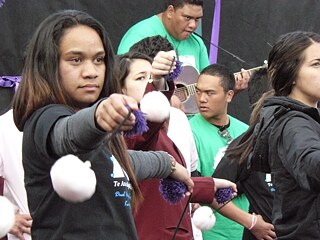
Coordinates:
<point>224,195</point>
<point>171,190</point>
<point>213,56</point>
<point>176,72</point>
<point>140,127</point>
<point>2,2</point>
<point>10,81</point>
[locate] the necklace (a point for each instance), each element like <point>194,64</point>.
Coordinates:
<point>223,127</point>
<point>223,132</point>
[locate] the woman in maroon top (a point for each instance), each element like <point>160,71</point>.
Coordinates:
<point>156,218</point>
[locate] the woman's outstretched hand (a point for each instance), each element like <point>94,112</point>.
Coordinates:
<point>114,111</point>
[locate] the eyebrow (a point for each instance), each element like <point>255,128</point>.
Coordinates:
<point>186,15</point>
<point>206,90</point>
<point>141,73</point>
<point>81,53</point>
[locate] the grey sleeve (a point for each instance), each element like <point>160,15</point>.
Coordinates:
<point>150,164</point>
<point>77,133</point>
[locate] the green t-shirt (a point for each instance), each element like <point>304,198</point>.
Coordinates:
<point>211,147</point>
<point>191,51</point>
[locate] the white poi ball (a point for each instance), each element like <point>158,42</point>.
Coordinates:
<point>72,179</point>
<point>204,218</point>
<point>156,106</point>
<point>7,216</point>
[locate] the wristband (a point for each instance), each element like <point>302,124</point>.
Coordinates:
<point>253,221</point>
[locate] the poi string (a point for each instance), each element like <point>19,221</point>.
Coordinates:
<point>224,204</point>
<point>180,220</point>
<point>186,207</point>
<point>168,77</point>
<point>117,130</point>
<point>171,191</point>
<point>82,183</point>
<point>139,128</point>
<point>176,72</point>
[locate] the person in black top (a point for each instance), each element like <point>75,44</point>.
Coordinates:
<point>284,138</point>
<point>65,105</point>
<point>256,186</point>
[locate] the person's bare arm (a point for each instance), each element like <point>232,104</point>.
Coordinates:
<point>255,223</point>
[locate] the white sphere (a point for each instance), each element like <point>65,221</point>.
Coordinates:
<point>7,216</point>
<point>72,179</point>
<point>204,218</point>
<point>156,106</point>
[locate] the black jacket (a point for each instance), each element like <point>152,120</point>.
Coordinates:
<point>290,148</point>
<point>255,185</point>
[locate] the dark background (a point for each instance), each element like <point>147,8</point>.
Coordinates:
<point>248,28</point>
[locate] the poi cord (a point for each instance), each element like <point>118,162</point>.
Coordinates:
<point>184,210</point>
<point>186,207</point>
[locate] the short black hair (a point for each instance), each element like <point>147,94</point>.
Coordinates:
<point>181,3</point>
<point>219,70</point>
<point>152,45</point>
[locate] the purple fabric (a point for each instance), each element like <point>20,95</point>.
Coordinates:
<point>176,72</point>
<point>140,127</point>
<point>1,3</point>
<point>171,190</point>
<point>213,56</point>
<point>223,195</point>
<point>10,81</point>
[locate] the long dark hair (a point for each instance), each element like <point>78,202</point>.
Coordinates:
<point>284,63</point>
<point>286,58</point>
<point>241,151</point>
<point>41,83</point>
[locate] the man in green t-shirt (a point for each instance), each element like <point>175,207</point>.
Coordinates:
<point>213,131</point>
<point>176,23</point>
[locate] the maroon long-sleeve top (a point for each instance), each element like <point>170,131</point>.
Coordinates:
<point>155,217</point>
